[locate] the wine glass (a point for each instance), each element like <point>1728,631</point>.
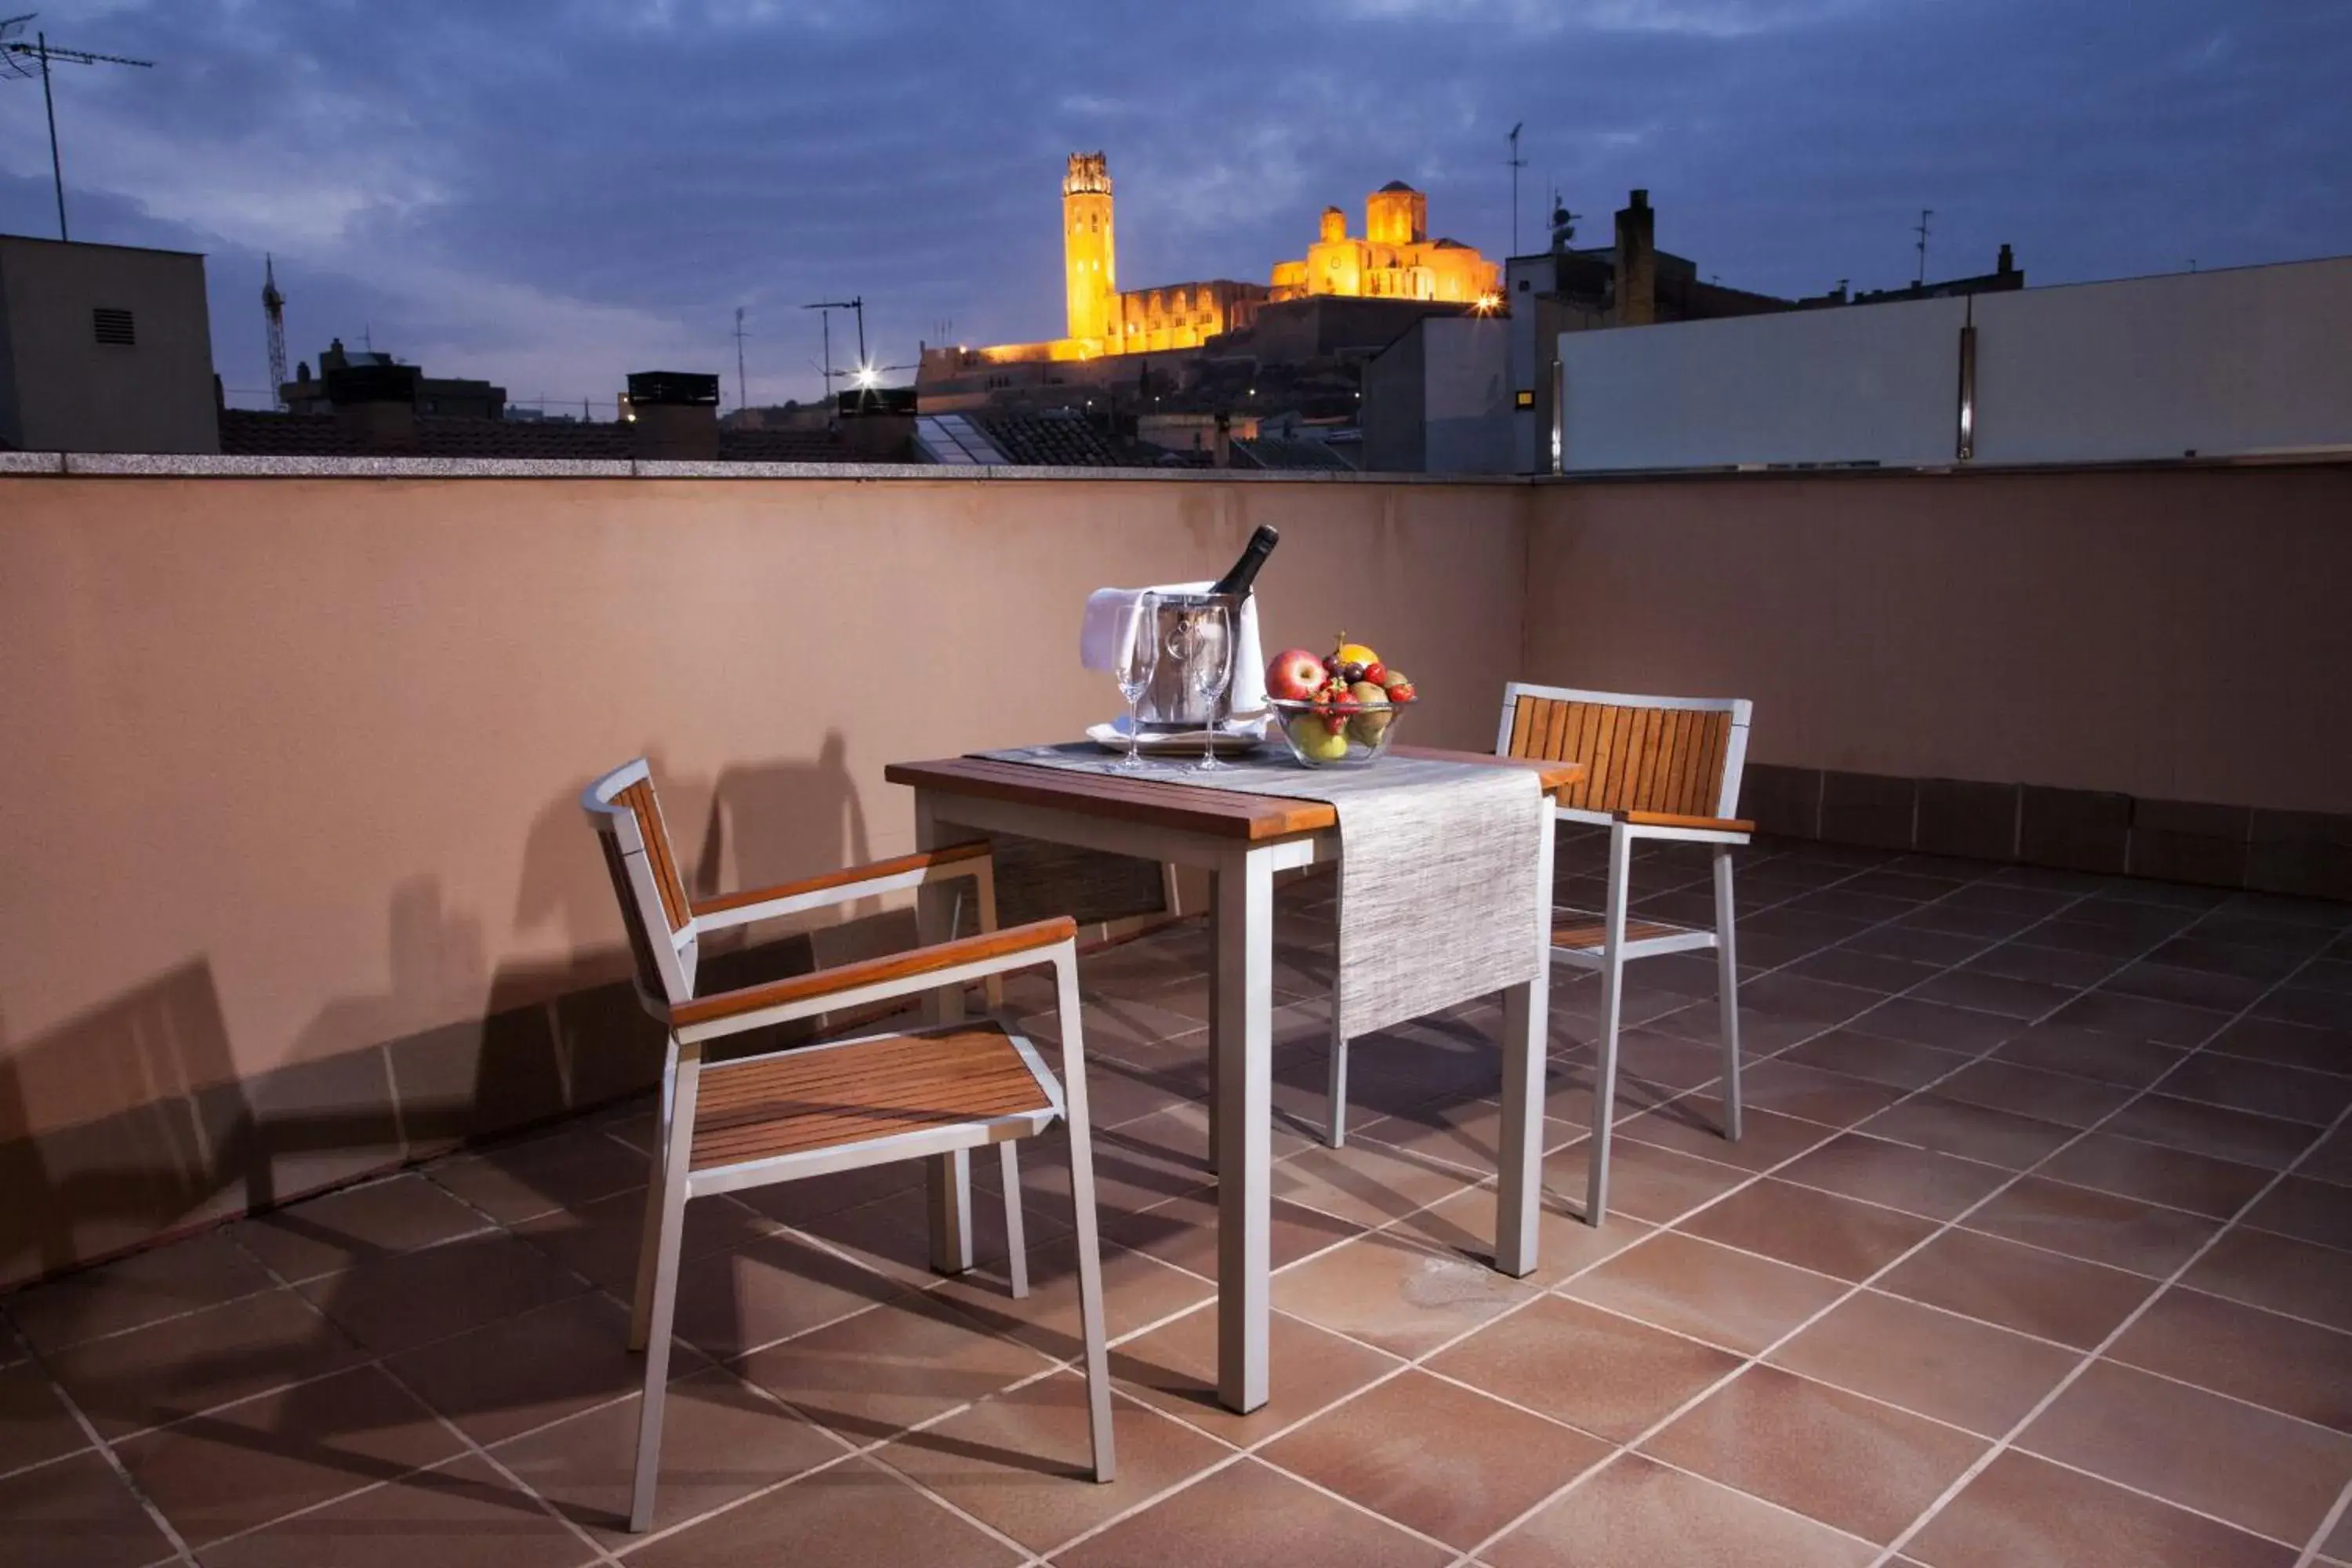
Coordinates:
<point>1136,636</point>
<point>1202,641</point>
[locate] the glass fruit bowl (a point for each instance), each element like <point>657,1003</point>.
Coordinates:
<point>1335,734</point>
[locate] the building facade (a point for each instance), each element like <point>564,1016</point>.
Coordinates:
<point>1395,259</point>
<point>104,348</point>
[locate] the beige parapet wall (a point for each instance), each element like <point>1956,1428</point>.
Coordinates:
<point>295,882</point>
<point>295,885</point>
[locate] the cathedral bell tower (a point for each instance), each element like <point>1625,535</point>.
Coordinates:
<point>1088,251</point>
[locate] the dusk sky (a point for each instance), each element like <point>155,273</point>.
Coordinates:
<point>551,196</point>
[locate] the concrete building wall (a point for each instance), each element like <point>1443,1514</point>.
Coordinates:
<point>71,393</point>
<point>1467,407</point>
<point>1396,406</point>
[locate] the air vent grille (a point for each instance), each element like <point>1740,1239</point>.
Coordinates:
<point>113,326</point>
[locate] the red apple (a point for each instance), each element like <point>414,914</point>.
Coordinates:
<point>1293,675</point>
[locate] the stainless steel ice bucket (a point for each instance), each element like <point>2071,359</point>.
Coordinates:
<point>1174,700</point>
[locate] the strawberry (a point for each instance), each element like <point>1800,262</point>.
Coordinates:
<point>1377,673</point>
<point>1400,692</point>
<point>1336,722</point>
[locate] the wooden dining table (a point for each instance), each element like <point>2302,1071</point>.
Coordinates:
<point>1241,841</point>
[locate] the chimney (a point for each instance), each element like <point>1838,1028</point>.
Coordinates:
<point>1637,262</point>
<point>674,416</point>
<point>1220,446</point>
<point>375,406</point>
<point>2006,265</point>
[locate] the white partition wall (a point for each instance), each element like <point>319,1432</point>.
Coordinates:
<point>2249,360</point>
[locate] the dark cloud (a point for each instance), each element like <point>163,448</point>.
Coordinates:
<point>552,195</point>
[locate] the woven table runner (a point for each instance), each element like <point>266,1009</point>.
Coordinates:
<point>1437,869</point>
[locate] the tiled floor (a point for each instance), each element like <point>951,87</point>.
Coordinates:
<point>2038,1251</point>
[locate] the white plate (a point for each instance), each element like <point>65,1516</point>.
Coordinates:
<point>1230,742</point>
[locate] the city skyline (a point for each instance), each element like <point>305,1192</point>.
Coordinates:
<point>553,199</point>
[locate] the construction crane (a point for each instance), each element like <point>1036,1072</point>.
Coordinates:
<point>273,310</point>
<point>19,58</point>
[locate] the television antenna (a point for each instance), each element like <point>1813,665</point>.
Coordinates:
<point>19,58</point>
<point>742,400</point>
<point>273,310</point>
<point>1516,163</point>
<point>855,303</point>
<point>1921,230</point>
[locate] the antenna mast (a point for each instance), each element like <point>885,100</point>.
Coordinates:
<point>1925,214</point>
<point>1516,163</point>
<point>16,58</point>
<point>273,310</point>
<point>741,399</point>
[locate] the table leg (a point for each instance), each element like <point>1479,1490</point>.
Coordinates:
<point>1242,1039</point>
<point>1527,1031</point>
<point>1216,1000</point>
<point>947,1181</point>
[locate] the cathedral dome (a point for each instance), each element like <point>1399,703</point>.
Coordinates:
<point>1398,186</point>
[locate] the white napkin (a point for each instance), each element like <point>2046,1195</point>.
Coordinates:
<point>1098,639</point>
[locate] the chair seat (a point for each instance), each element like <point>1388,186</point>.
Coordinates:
<point>820,1097</point>
<point>1577,933</point>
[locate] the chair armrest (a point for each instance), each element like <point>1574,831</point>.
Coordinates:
<point>869,979</point>
<point>754,904</point>
<point>1691,824</point>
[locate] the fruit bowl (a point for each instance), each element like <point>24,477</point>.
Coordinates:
<point>1363,731</point>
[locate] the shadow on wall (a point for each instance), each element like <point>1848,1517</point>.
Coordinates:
<point>534,1039</point>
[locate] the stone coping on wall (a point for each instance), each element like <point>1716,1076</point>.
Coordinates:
<point>130,465</point>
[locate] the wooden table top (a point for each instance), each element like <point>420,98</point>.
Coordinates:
<point>1195,808</point>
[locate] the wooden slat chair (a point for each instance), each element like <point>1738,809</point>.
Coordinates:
<point>1656,768</point>
<point>938,1092</point>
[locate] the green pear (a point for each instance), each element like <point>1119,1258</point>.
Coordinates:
<point>1368,728</point>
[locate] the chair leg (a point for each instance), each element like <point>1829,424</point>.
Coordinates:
<point>1727,985</point>
<point>1016,1242</point>
<point>983,884</point>
<point>1613,990</point>
<point>1334,1124</point>
<point>1082,1204</point>
<point>641,1303</point>
<point>675,1153</point>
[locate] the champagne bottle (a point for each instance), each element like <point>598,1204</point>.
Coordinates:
<point>1244,571</point>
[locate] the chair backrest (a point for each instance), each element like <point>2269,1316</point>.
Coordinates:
<point>1678,754</point>
<point>628,822</point>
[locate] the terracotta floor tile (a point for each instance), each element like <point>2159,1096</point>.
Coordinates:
<point>1393,1294</point>
<point>2193,951</point>
<point>600,1240</point>
<point>1247,1515</point>
<point>1925,1023</point>
<point>192,1363</point>
<point>1635,1513</point>
<point>1592,1369</point>
<point>1462,1226</point>
<point>1896,1175</point>
<point>2280,1273</point>
<point>2331,1160</point>
<point>2141,1017</point>
<point>2060,1098</point>
<point>2190,987</point>
<point>1645,1181</point>
<point>2176,1177</point>
<point>1999,993</point>
<point>1701,1023</point>
<point>1463,1134</point>
<point>1364,1183</point>
<point>2038,1293</point>
<point>1897,1063</point>
<point>2026,959</point>
<point>732,1301</point>
<point>260,1460</point>
<point>525,1371</point>
<point>1810,1229</point>
<point>575,1166</point>
<point>2090,1053</point>
<point>1437,1458</point>
<point>1849,1462</point>
<point>147,1286</point>
<point>720,1441</point>
<point>390,1303</point>
<point>75,1513</point>
<point>2263,1472</point>
<point>2114,943</point>
<point>1795,1089</point>
<point>375,1219</point>
<point>1174,1368</point>
<point>2289,1045</point>
<point>803,1202</point>
<point>1917,944</point>
<point>2337,1548</point>
<point>1968,1132</point>
<point>1735,1300</point>
<point>2314,1211</point>
<point>2213,1130</point>
<point>1184,1232</point>
<point>1951,1368</point>
<point>1137,1290</point>
<point>34,1422</point>
<point>2281,1364</point>
<point>462,1515</point>
<point>2024,1512</point>
<point>874,1375</point>
<point>1020,1460</point>
<point>2264,1088</point>
<point>1881,973</point>
<point>2100,1226</point>
<point>1693,1125</point>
